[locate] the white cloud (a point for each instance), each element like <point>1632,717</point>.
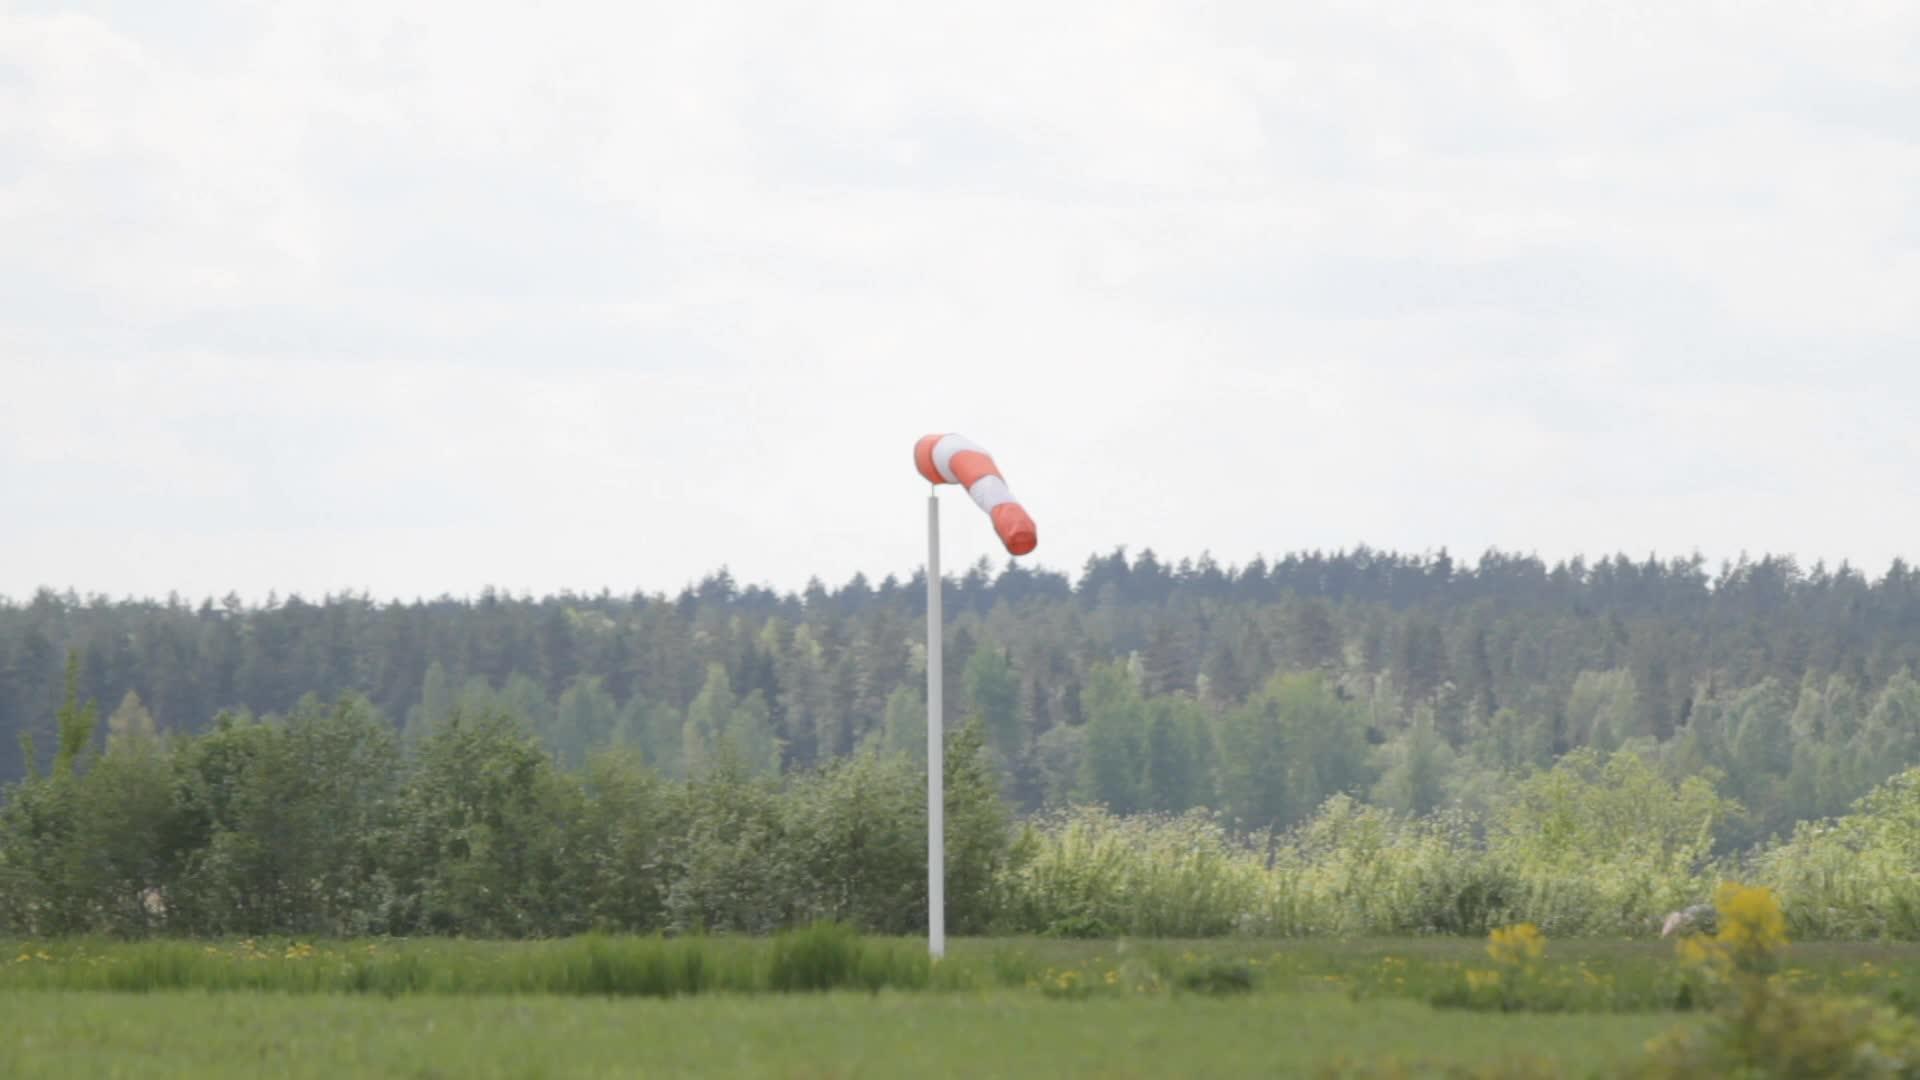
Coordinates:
<point>422,296</point>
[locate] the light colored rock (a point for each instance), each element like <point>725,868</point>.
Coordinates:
<point>1697,919</point>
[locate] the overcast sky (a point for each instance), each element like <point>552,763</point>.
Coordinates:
<point>417,297</point>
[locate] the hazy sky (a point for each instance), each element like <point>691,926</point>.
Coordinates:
<point>423,296</point>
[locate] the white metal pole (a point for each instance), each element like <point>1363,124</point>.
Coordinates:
<point>936,765</point>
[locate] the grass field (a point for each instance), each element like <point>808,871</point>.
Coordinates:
<point>1575,975</point>
<point>1003,1033</point>
<point>716,1007</point>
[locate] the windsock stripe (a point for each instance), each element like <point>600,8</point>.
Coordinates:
<point>990,491</point>
<point>923,460</point>
<point>953,446</point>
<point>971,466</point>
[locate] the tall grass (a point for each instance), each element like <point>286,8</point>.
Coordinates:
<point>1361,871</point>
<point>822,957</point>
<point>1853,877</point>
<point>1595,847</point>
<point>1087,873</point>
<point>1576,975</point>
<point>1352,871</point>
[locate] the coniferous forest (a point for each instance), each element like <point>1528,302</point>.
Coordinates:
<point>1409,689</point>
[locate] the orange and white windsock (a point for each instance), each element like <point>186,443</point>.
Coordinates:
<point>954,459</point>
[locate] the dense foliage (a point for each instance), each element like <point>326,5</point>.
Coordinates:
<point>325,822</point>
<point>1141,686</point>
<point>1351,743</point>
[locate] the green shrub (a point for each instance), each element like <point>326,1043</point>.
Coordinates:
<point>1217,977</point>
<point>1764,1028</point>
<point>824,956</point>
<point>1853,877</point>
<point>1774,1033</point>
<point>1082,927</point>
<point>1085,872</point>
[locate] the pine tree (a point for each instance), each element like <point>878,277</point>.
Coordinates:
<point>130,723</point>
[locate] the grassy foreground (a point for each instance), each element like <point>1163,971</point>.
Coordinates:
<point>1573,976</point>
<point>825,1001</point>
<point>80,1034</point>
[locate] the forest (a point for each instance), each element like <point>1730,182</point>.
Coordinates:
<point>373,758</point>
<point>1142,685</point>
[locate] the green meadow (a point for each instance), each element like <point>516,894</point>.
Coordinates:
<point>827,1002</point>
<point>839,1034</point>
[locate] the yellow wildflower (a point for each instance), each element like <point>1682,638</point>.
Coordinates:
<point>1515,945</point>
<point>1752,931</point>
<point>1477,979</point>
<point>1752,928</point>
<point>1750,918</point>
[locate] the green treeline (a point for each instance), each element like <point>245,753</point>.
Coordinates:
<point>1409,682</point>
<point>326,822</point>
<point>320,822</point>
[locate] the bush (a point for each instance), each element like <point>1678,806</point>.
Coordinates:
<point>1853,877</point>
<point>1217,977</point>
<point>825,956</point>
<point>1085,872</point>
<point>1774,1033</point>
<point>1763,1029</point>
<point>320,824</point>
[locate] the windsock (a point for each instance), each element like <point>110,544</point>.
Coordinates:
<point>954,459</point>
